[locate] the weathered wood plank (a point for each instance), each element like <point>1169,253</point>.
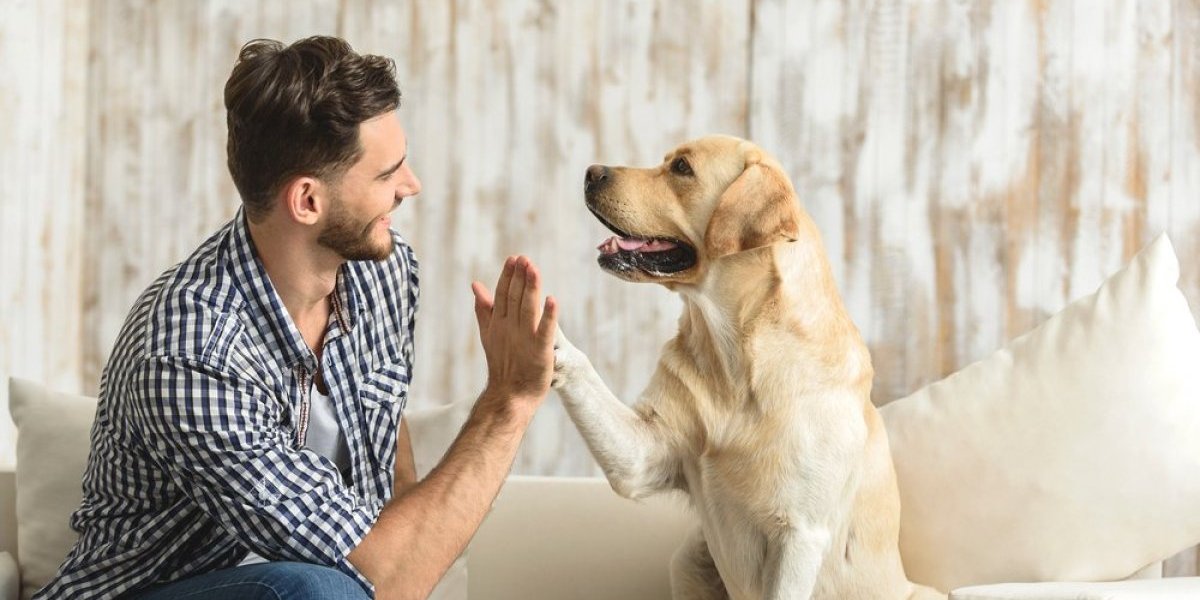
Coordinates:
<point>158,184</point>
<point>43,50</point>
<point>1184,117</point>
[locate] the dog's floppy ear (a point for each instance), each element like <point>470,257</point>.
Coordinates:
<point>757,209</point>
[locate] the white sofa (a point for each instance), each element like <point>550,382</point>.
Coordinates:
<point>1064,466</point>
<point>571,538</point>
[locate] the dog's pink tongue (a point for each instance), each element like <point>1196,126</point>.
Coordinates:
<point>614,244</point>
<point>644,245</point>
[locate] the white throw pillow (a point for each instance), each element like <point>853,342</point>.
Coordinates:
<point>432,430</point>
<point>53,434</point>
<point>1171,588</point>
<point>1073,454</point>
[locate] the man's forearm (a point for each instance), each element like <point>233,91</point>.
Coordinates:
<point>420,533</point>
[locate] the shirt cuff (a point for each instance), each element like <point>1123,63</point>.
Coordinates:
<point>358,524</point>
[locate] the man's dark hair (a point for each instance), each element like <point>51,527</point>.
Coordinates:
<point>295,110</point>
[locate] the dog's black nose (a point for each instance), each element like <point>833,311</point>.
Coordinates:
<point>596,176</point>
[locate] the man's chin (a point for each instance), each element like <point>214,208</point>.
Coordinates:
<point>373,252</point>
<point>371,243</point>
<point>362,249</point>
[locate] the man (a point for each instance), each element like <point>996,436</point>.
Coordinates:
<point>249,440</point>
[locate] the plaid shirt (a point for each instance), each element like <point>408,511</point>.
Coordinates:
<point>197,452</point>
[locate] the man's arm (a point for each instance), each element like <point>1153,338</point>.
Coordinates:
<point>420,532</point>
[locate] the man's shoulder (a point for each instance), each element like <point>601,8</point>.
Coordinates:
<point>189,304</point>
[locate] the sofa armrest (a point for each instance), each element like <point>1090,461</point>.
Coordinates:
<point>10,577</point>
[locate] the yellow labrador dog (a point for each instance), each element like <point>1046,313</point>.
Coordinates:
<point>760,407</point>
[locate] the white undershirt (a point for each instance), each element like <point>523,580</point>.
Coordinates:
<point>324,437</point>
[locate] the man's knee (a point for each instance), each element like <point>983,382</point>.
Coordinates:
<point>294,580</point>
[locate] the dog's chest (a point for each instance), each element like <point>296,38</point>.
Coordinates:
<point>741,479</point>
<point>749,478</point>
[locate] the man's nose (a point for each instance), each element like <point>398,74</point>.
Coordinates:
<point>412,187</point>
<point>596,177</point>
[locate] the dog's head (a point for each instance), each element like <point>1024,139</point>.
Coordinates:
<point>710,198</point>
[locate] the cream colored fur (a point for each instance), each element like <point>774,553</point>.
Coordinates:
<point>760,407</point>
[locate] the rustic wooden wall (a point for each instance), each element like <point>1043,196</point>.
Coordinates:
<point>973,164</point>
<point>505,107</point>
<point>976,165</point>
<point>43,74</point>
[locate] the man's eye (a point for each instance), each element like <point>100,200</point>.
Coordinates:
<point>681,167</point>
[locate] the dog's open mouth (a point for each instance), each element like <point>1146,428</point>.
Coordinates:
<point>657,256</point>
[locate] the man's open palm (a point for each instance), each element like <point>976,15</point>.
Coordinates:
<point>517,331</point>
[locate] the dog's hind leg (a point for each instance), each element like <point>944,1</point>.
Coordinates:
<point>694,575</point>
<point>628,447</point>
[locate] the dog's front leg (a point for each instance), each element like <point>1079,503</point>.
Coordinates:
<point>628,447</point>
<point>793,561</point>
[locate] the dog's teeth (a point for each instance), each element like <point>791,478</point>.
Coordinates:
<point>609,246</point>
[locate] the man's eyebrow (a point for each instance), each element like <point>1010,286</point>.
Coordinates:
<point>392,169</point>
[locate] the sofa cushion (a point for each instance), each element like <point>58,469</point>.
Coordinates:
<point>559,537</point>
<point>1174,588</point>
<point>53,430</point>
<point>1072,454</point>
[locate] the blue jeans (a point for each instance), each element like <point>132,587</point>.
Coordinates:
<point>264,581</point>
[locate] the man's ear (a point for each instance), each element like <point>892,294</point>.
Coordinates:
<point>758,209</point>
<point>303,199</point>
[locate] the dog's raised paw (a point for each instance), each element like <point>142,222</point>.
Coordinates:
<point>560,369</point>
<point>567,360</point>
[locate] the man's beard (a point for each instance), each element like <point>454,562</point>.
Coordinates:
<point>350,238</point>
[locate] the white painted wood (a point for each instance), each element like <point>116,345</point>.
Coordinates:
<point>505,107</point>
<point>43,46</point>
<point>158,184</point>
<point>975,165</point>
<point>1184,118</point>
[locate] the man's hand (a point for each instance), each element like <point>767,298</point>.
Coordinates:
<point>421,531</point>
<point>517,333</point>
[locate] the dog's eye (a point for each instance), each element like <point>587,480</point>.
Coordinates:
<point>681,167</point>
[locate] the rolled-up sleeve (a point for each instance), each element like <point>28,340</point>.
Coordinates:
<point>221,439</point>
